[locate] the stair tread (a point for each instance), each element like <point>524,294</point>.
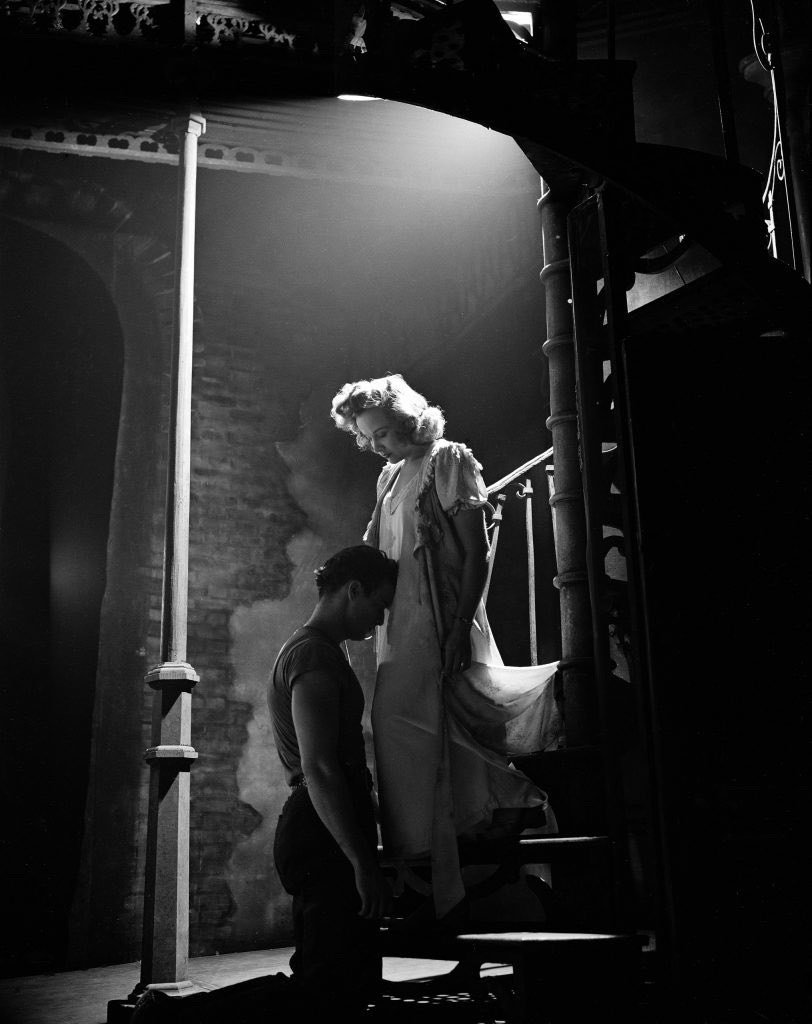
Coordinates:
<point>530,842</point>
<point>546,840</point>
<point>434,946</point>
<point>535,849</point>
<point>519,938</point>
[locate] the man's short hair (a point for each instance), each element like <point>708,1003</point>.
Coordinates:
<point>369,566</point>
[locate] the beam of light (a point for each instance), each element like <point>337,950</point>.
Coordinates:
<point>521,22</point>
<point>523,18</point>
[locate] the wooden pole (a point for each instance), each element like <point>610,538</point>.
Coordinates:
<point>165,939</point>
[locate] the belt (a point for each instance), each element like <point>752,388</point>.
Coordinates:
<point>352,771</point>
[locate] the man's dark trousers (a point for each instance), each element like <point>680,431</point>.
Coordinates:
<point>337,962</point>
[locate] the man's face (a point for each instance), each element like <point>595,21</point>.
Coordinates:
<point>366,611</point>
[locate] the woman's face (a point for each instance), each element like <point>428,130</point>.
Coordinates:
<point>383,431</point>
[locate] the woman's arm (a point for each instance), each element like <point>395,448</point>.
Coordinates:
<point>470,527</point>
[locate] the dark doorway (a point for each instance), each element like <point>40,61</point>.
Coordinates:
<point>60,394</point>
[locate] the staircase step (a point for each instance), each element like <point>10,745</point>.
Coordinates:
<point>528,850</point>
<point>438,943</point>
<point>578,977</point>
<point>539,941</point>
<point>580,865</point>
<point>532,850</point>
<point>499,943</point>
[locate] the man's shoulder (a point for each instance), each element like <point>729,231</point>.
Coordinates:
<point>300,636</point>
<point>308,637</point>
<point>308,650</point>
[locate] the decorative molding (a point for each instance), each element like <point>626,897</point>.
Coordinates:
<point>96,19</point>
<point>211,23</point>
<point>283,160</point>
<point>222,24</point>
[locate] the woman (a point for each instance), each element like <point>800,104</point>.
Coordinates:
<point>446,712</point>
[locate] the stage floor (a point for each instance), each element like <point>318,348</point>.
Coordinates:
<point>80,997</point>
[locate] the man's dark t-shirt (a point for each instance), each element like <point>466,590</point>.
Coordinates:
<point>310,650</point>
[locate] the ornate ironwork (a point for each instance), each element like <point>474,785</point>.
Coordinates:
<point>778,174</point>
<point>219,28</point>
<point>144,18</point>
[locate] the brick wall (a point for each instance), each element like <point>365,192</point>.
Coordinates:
<point>242,520</point>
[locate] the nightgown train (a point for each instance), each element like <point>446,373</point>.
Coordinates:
<point>442,754</point>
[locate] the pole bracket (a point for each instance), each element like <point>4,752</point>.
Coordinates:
<point>170,752</point>
<point>171,672</point>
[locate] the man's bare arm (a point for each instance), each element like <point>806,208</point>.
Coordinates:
<point>315,707</point>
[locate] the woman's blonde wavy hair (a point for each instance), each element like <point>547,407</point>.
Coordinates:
<point>420,423</point>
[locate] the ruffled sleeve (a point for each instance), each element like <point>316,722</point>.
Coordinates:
<point>458,479</point>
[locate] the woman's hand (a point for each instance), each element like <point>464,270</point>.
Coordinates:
<point>469,525</point>
<point>457,648</point>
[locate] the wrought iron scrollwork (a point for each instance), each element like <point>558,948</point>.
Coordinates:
<point>767,55</point>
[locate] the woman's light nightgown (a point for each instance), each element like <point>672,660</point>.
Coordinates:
<point>510,709</point>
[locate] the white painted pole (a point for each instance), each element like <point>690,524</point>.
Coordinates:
<point>165,935</point>
<point>526,492</point>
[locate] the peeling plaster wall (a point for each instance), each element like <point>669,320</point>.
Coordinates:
<point>331,502</point>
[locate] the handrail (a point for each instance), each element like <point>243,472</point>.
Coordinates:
<point>518,472</point>
<point>526,492</point>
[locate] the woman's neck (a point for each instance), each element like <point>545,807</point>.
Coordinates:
<point>417,454</point>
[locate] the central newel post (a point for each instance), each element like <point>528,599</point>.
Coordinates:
<point>577,665</point>
<point>557,40</point>
<point>165,942</point>
<point>576,777</point>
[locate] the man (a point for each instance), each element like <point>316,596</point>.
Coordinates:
<point>325,848</point>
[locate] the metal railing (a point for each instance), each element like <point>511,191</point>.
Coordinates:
<point>525,492</point>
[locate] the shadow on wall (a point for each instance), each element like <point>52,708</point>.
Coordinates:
<point>334,485</point>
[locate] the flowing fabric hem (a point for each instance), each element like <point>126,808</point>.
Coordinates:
<point>485,813</point>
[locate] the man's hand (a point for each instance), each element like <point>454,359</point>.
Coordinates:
<point>316,713</point>
<point>375,892</point>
